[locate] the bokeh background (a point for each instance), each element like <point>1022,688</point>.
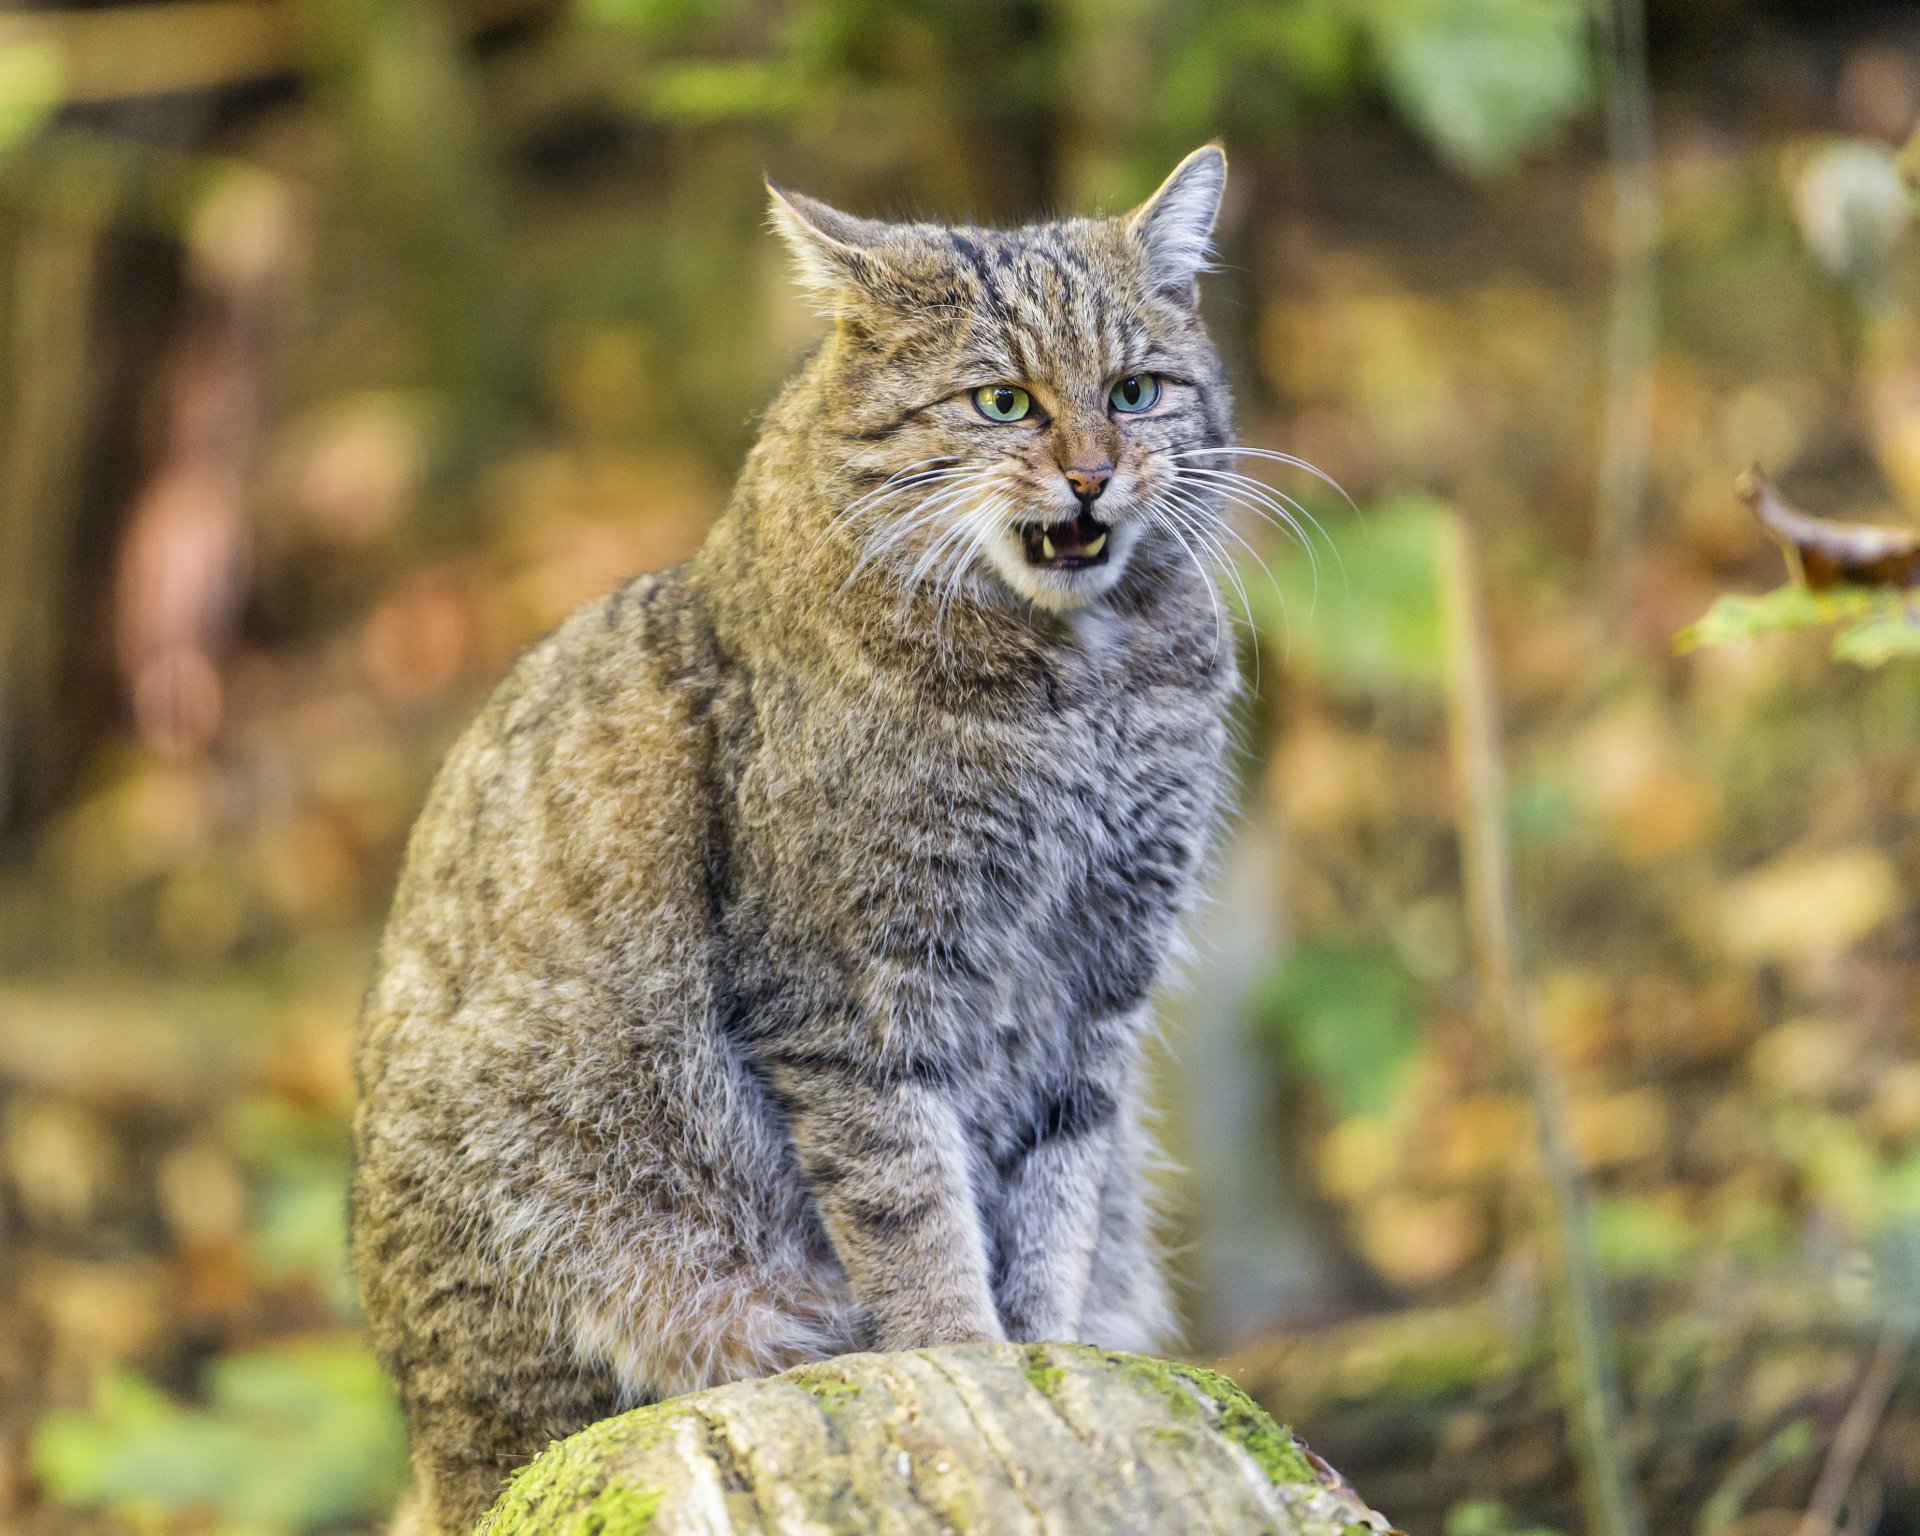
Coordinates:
<point>345,345</point>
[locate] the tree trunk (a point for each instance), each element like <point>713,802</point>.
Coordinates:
<point>999,1438</point>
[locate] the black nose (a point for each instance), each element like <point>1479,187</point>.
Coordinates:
<point>1089,483</point>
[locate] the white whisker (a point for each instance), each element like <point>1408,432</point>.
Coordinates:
<point>1179,497</point>
<point>1162,520</point>
<point>1279,458</point>
<point>925,514</point>
<point>1275,506</point>
<point>904,475</point>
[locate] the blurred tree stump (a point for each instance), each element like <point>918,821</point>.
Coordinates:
<point>1001,1438</point>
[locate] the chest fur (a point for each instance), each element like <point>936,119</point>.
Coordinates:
<point>1030,849</point>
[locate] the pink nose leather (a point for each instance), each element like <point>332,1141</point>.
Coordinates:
<point>1088,483</point>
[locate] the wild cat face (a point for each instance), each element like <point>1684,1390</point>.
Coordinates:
<point>1016,404</point>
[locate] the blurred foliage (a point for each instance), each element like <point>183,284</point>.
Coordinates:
<point>31,86</point>
<point>1362,615</point>
<point>526,311</point>
<point>1878,626</point>
<point>1488,1517</point>
<point>1792,1442</point>
<point>290,1439</point>
<point>1347,1017</point>
<point>1483,81</point>
<point>298,1160</point>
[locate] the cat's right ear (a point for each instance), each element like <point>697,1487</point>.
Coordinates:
<point>836,257</point>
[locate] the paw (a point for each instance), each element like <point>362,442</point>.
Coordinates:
<point>937,1331</point>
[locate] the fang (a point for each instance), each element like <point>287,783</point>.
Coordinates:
<point>1046,546</point>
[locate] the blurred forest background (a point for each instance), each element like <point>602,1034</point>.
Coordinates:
<point>345,345</point>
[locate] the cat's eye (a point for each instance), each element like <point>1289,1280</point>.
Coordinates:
<point>1136,392</point>
<point>1003,402</point>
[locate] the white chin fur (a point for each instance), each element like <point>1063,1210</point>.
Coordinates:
<point>1062,591</point>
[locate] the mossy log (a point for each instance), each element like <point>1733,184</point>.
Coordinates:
<point>999,1438</point>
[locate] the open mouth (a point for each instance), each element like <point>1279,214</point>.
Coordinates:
<point>1070,546</point>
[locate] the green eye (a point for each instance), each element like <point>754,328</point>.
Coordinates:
<point>1136,392</point>
<point>1003,402</point>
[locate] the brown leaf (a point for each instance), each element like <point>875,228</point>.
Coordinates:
<point>1823,554</point>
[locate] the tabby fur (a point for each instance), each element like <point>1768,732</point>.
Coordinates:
<point>769,968</point>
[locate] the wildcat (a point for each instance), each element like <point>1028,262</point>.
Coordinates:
<point>768,970</point>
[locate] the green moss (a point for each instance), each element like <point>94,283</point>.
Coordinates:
<point>1240,1418</point>
<point>618,1509</point>
<point>1042,1372</point>
<point>832,1393</point>
<point>1161,1376</point>
<point>1249,1426</point>
<point>575,1488</point>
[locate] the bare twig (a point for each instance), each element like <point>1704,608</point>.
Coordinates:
<point>1592,1397</point>
<point>1856,1430</point>
<point>1635,310</point>
<point>1786,1445</point>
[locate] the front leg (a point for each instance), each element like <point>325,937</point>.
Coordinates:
<point>884,1153</point>
<point>1050,1217</point>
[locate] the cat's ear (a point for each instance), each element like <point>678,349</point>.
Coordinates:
<point>836,256</point>
<point>1174,227</point>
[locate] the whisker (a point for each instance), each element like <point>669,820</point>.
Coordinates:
<point>1276,506</point>
<point>1238,450</point>
<point>924,512</point>
<point>1279,458</point>
<point>929,510</point>
<point>878,498</point>
<point>904,474</point>
<point>1162,520</point>
<point>1178,497</point>
<point>937,552</point>
<point>1204,517</point>
<point>899,484</point>
<point>976,527</point>
<point>1225,561</point>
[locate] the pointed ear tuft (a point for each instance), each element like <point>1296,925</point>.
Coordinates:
<point>1175,226</point>
<point>835,256</point>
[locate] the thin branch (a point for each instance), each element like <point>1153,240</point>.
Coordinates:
<point>1856,1431</point>
<point>1592,1396</point>
<point>1634,321</point>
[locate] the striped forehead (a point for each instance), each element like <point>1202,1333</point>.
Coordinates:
<point>1048,303</point>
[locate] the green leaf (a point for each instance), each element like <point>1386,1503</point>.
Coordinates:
<point>1736,618</point>
<point>1636,1237</point>
<point>1486,1517</point>
<point>1881,625</point>
<point>1348,1016</point>
<point>1368,620</point>
<point>657,19</point>
<point>292,1439</point>
<point>717,91</point>
<point>32,81</point>
<point>1484,80</point>
<point>1890,632</point>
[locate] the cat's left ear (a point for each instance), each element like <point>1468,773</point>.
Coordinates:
<point>836,257</point>
<point>1174,227</point>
